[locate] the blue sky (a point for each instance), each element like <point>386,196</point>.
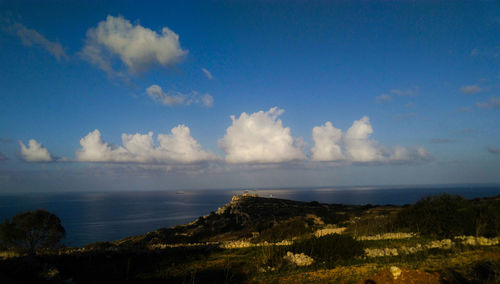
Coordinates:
<point>247,94</point>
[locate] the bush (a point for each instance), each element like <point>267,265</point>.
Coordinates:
<point>286,230</point>
<point>329,248</point>
<point>372,225</point>
<point>29,231</point>
<point>443,215</point>
<point>487,218</point>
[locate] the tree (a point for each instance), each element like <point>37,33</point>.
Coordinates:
<point>29,231</point>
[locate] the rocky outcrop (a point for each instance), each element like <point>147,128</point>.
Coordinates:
<point>298,259</point>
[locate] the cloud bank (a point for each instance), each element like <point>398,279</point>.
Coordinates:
<point>177,147</point>
<point>31,37</point>
<point>252,139</point>
<point>331,145</point>
<point>260,138</point>
<point>156,93</point>
<point>34,152</point>
<point>137,47</point>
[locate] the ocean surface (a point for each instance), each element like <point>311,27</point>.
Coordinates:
<point>107,216</point>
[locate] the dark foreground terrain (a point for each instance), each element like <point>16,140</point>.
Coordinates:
<point>440,239</point>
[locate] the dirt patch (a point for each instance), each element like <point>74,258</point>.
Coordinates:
<point>407,276</point>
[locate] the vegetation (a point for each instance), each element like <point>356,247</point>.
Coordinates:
<point>451,215</point>
<point>286,230</point>
<point>258,222</point>
<point>30,231</point>
<point>330,249</point>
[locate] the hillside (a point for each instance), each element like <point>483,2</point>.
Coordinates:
<point>257,218</point>
<point>440,239</point>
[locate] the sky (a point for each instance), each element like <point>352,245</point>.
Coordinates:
<point>164,95</point>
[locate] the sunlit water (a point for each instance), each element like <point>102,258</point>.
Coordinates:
<point>92,217</point>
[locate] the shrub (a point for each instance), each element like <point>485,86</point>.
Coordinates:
<point>29,231</point>
<point>487,218</point>
<point>372,225</point>
<point>286,230</point>
<point>443,215</point>
<point>329,248</point>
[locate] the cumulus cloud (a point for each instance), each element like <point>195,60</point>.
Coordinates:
<point>494,102</point>
<point>260,138</point>
<point>177,147</point>
<point>30,37</point>
<point>327,141</point>
<point>493,150</point>
<point>137,47</point>
<point>330,144</point>
<point>156,93</point>
<point>34,152</point>
<point>207,73</point>
<point>470,89</point>
<point>357,145</point>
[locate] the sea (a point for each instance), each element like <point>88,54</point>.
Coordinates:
<point>90,217</point>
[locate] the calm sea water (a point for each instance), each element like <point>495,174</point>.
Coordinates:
<point>92,217</point>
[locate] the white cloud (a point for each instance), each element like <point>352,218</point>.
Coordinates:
<point>34,152</point>
<point>94,149</point>
<point>181,146</point>
<point>207,73</point>
<point>207,100</point>
<point>31,37</point>
<point>260,138</point>
<point>177,147</point>
<point>358,147</point>
<point>327,141</point>
<point>383,98</point>
<point>494,102</point>
<point>137,47</point>
<point>156,93</point>
<point>470,89</point>
<point>330,144</point>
